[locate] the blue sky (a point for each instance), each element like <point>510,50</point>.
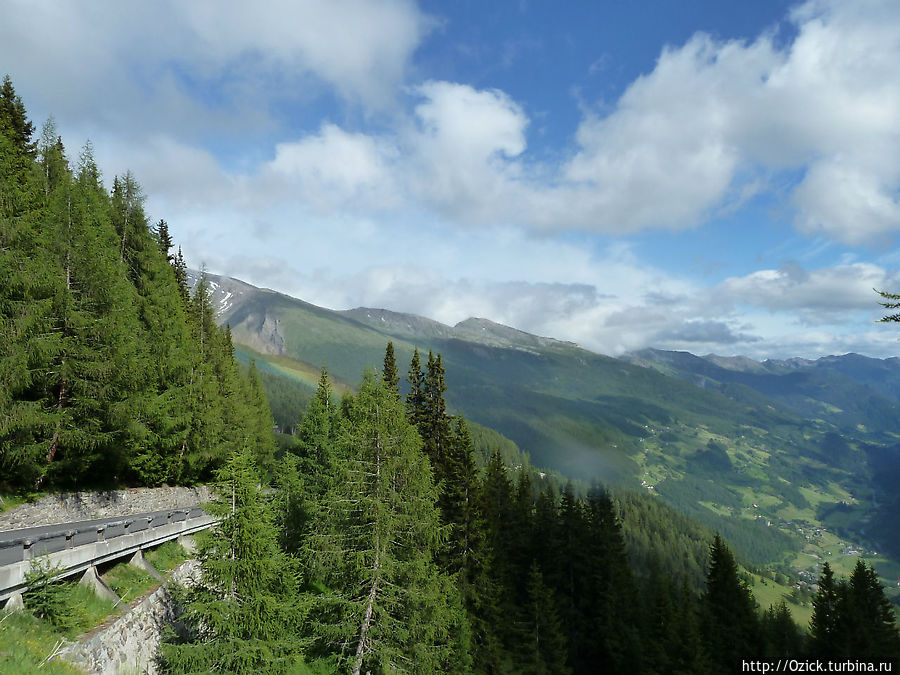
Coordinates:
<point>710,176</point>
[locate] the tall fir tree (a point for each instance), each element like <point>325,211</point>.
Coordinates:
<point>545,650</point>
<point>91,386</point>
<point>823,626</point>
<point>389,371</point>
<point>415,399</point>
<point>730,623</point>
<point>245,613</point>
<point>390,606</point>
<point>869,624</point>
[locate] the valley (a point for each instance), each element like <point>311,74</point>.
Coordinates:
<point>787,459</point>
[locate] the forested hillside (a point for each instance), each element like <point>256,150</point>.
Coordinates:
<point>110,371</point>
<point>384,549</point>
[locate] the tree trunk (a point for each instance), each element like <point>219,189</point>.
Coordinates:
<point>373,591</point>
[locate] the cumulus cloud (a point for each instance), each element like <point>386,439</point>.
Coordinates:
<point>814,297</point>
<point>335,167</point>
<point>205,63</point>
<point>706,130</point>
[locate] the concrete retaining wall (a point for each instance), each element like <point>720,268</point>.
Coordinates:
<point>130,642</point>
<point>75,506</point>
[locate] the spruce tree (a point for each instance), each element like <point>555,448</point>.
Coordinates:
<point>316,439</point>
<point>181,278</point>
<point>415,399</point>
<point>14,122</point>
<point>374,545</point>
<point>164,240</point>
<point>28,286</point>
<point>244,614</point>
<point>730,624</point>
<point>869,623</point>
<point>823,631</point>
<point>545,649</point>
<point>389,372</point>
<point>91,385</point>
<point>608,621</point>
<point>781,635</point>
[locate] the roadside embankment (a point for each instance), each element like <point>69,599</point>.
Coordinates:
<point>129,643</point>
<point>77,506</point>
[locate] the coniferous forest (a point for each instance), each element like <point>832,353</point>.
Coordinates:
<point>376,542</point>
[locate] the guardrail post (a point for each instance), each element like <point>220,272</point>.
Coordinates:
<point>101,533</point>
<point>93,581</point>
<point>70,538</point>
<point>139,562</point>
<point>14,603</point>
<point>27,550</point>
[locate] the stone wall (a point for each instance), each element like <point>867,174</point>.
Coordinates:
<point>75,506</point>
<point>130,642</point>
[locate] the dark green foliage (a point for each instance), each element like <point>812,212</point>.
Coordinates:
<point>852,619</point>
<point>869,620</point>
<point>245,614</point>
<point>389,372</point>
<point>891,301</point>
<point>316,440</point>
<point>108,372</point>
<point>543,636</point>
<point>415,399</point>
<point>823,627</point>
<point>50,599</point>
<point>14,122</point>
<point>164,240</point>
<point>372,542</point>
<point>781,636</point>
<point>728,611</point>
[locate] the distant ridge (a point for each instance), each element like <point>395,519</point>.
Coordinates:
<point>735,442</point>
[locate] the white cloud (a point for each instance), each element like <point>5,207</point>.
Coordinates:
<point>203,64</point>
<point>460,150</point>
<point>814,297</point>
<point>334,168</point>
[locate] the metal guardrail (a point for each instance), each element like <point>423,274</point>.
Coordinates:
<point>19,545</point>
<point>75,547</point>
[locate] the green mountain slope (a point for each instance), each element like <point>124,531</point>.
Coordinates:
<point>748,460</point>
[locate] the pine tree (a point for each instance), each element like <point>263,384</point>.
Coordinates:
<point>244,614</point>
<point>316,439</point>
<point>14,122</point>
<point>415,399</point>
<point>730,623</point>
<point>90,385</point>
<point>28,286</point>
<point>545,642</point>
<point>466,553</point>
<point>206,442</point>
<point>259,420</point>
<point>181,277</point>
<point>781,636</point>
<point>164,240</point>
<point>607,619</point>
<point>374,546</point>
<point>389,373</point>
<point>823,624</point>
<point>868,624</point>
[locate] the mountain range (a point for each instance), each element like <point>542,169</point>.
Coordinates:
<point>793,459</point>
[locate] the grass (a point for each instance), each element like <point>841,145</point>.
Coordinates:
<point>10,499</point>
<point>767,593</point>
<point>166,557</point>
<point>128,582</point>
<point>26,643</point>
